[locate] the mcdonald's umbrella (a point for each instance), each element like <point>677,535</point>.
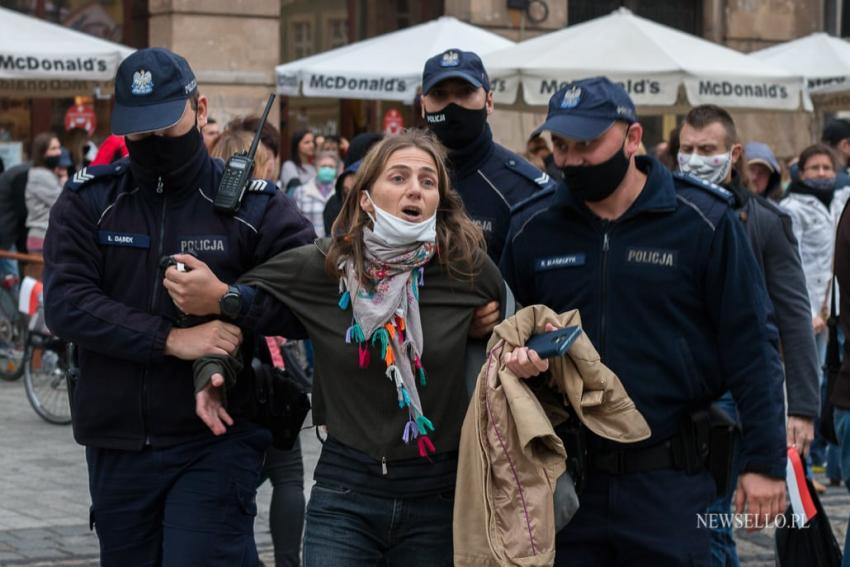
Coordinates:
<point>823,60</point>
<point>386,67</point>
<point>652,62</point>
<point>39,58</point>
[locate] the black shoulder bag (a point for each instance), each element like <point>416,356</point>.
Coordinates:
<point>281,398</point>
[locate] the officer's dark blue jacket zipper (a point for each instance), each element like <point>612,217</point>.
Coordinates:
<point>603,310</point>
<point>157,283</point>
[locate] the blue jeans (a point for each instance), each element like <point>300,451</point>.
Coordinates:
<point>189,504</point>
<point>723,550</point>
<point>842,431</point>
<point>350,529</point>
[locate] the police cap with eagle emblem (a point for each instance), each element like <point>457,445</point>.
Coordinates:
<point>454,63</point>
<point>583,110</point>
<point>151,89</point>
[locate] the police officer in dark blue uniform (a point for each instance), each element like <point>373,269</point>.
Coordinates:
<point>172,473</point>
<point>670,294</point>
<point>456,100</point>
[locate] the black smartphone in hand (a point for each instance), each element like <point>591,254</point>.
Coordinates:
<point>553,343</point>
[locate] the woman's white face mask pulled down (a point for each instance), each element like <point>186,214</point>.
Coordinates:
<point>402,202</point>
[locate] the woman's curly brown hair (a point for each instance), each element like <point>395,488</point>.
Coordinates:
<point>459,240</point>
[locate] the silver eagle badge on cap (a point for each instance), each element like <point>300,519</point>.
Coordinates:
<point>571,98</point>
<point>142,83</point>
<point>450,59</point>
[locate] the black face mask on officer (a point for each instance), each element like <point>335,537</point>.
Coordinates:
<point>52,162</point>
<point>456,126</point>
<point>163,155</point>
<point>592,183</point>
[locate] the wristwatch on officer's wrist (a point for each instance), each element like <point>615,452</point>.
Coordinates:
<point>230,303</point>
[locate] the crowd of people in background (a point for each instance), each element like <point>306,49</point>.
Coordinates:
<point>317,162</point>
<point>302,177</point>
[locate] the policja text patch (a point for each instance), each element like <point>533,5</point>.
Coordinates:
<point>651,257</point>
<point>208,244</point>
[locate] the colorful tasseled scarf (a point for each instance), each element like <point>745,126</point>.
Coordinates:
<point>386,318</point>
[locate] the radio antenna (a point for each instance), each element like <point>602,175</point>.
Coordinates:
<point>256,141</point>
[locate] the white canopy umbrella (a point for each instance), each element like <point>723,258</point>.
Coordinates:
<point>650,60</point>
<point>386,67</point>
<point>39,58</point>
<point>822,59</point>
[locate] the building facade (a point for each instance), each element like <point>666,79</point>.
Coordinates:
<point>234,45</point>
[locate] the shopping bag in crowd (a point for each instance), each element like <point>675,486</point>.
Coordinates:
<point>806,537</point>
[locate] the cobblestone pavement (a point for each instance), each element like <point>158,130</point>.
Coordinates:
<point>44,495</point>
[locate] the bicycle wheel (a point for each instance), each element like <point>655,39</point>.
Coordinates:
<point>44,377</point>
<point>13,333</point>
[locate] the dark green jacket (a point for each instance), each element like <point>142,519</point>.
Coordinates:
<point>359,406</point>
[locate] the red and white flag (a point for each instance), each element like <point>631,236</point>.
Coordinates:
<point>798,491</point>
<point>30,295</point>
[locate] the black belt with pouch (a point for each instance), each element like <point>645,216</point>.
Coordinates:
<point>705,441</point>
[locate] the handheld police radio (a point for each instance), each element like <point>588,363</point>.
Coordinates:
<point>237,172</point>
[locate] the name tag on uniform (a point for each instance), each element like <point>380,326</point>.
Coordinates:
<point>555,262</point>
<point>208,244</point>
<point>108,238</point>
<point>652,257</point>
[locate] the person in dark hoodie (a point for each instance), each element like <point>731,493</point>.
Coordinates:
<point>708,149</point>
<point>357,149</point>
<point>764,172</point>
